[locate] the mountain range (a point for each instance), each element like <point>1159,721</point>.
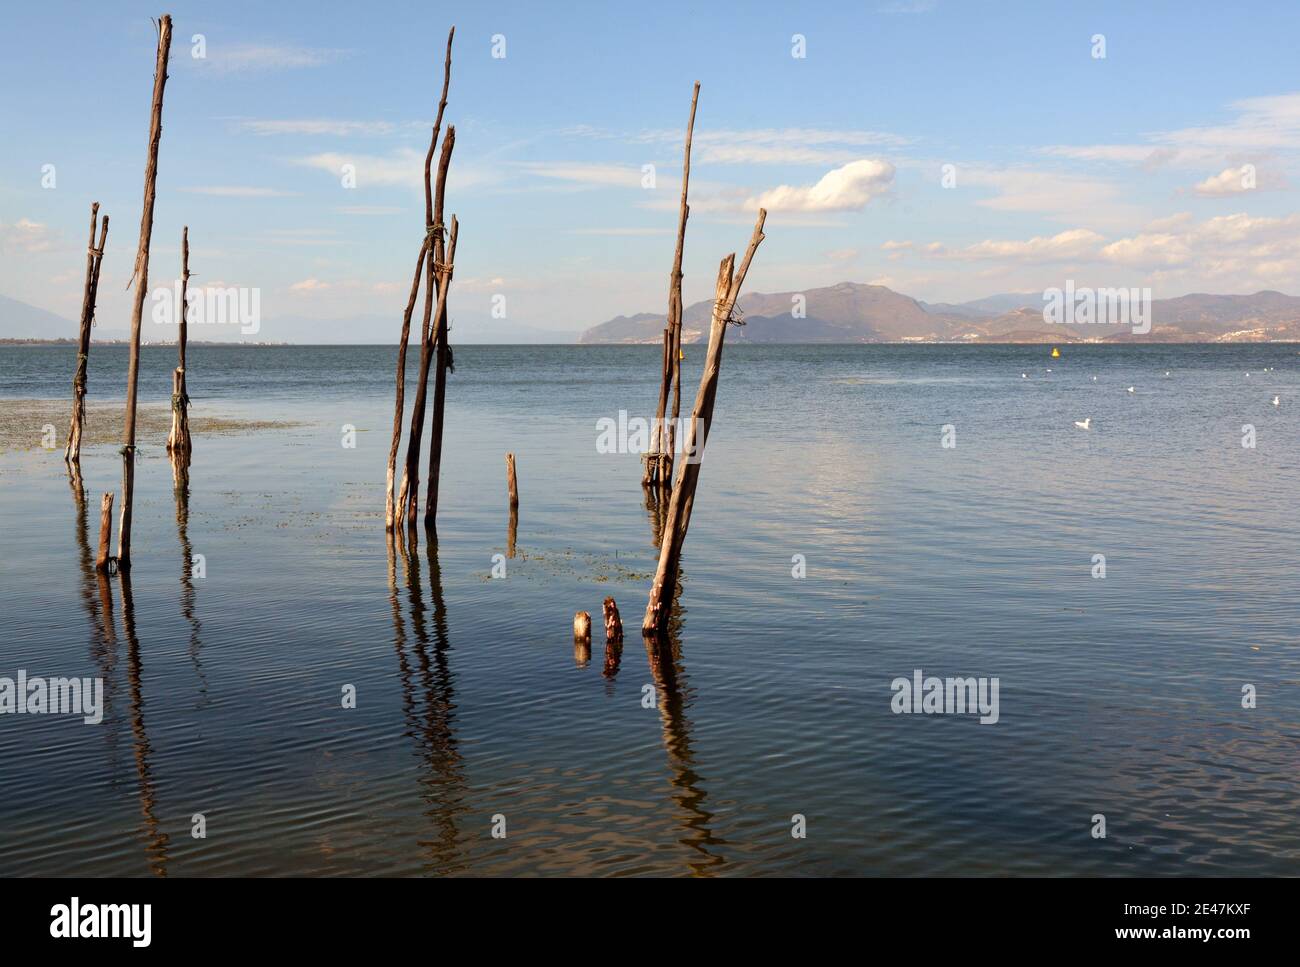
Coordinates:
<point>852,312</point>
<point>20,321</point>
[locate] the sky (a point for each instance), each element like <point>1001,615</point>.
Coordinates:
<point>949,150</point>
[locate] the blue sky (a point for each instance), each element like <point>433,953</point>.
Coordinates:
<point>1125,170</point>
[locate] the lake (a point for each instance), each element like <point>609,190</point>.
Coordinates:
<point>1119,696</point>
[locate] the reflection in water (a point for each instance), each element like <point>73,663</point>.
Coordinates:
<point>155,837</point>
<point>95,595</point>
<point>181,477</point>
<point>664,655</point>
<point>654,509</point>
<point>512,532</point>
<point>428,698</point>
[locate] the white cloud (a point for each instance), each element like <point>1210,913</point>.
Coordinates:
<point>1229,181</point>
<point>1075,243</point>
<point>238,191</point>
<point>25,236</point>
<point>317,126</point>
<point>1262,125</point>
<point>585,174</point>
<point>404,167</point>
<point>765,146</point>
<point>309,285</point>
<point>258,58</point>
<point>849,188</point>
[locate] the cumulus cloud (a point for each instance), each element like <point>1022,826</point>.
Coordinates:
<point>845,189</point>
<point>1072,244</point>
<point>1229,181</point>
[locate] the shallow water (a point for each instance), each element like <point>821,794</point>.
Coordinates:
<point>1120,696</point>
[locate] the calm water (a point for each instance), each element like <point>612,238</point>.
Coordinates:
<point>1119,696</point>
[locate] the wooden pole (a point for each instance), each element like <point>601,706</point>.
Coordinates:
<point>659,606</point>
<point>582,626</point>
<point>512,484</point>
<point>613,621</point>
<point>105,531</point>
<point>426,254</point>
<point>142,289</point>
<point>512,487</point>
<point>675,307</point>
<point>178,440</point>
<point>94,259</point>
<point>659,462</point>
<point>409,494</point>
<point>389,508</point>
<point>445,366</point>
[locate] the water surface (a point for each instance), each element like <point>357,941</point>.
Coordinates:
<point>1119,696</point>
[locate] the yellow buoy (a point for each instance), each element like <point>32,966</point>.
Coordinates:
<point>1055,353</point>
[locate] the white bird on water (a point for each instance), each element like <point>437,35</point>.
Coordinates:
<point>1094,379</point>
<point>1085,425</point>
<point>1024,376</point>
<point>1130,389</point>
<point>1276,401</point>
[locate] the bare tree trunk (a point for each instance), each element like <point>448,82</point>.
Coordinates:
<point>659,606</point>
<point>389,514</point>
<point>437,263</point>
<point>675,307</point>
<point>445,366</point>
<point>391,509</point>
<point>142,290</point>
<point>178,440</point>
<point>94,259</point>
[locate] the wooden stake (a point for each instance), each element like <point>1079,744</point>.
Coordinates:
<point>105,531</point>
<point>389,508</point>
<point>142,288</point>
<point>659,606</point>
<point>582,626</point>
<point>675,307</point>
<point>178,440</point>
<point>659,463</point>
<point>445,366</point>
<point>422,264</point>
<point>94,259</point>
<point>409,494</point>
<point>512,485</point>
<point>613,622</point>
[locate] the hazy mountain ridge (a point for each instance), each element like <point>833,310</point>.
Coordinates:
<point>852,312</point>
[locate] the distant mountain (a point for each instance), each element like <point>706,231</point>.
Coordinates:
<point>847,312</point>
<point>986,308</point>
<point>851,312</point>
<point>18,320</point>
